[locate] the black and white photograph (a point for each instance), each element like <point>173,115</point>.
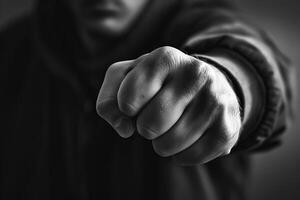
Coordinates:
<point>149,100</point>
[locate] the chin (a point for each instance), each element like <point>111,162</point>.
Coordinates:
<point>107,27</point>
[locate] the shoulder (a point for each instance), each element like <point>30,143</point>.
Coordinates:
<point>194,16</point>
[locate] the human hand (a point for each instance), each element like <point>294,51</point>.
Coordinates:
<point>184,105</point>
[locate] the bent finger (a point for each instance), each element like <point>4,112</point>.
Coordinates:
<point>107,104</point>
<point>210,146</point>
<point>195,120</point>
<point>141,84</point>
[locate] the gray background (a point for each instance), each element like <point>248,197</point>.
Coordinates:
<point>276,174</point>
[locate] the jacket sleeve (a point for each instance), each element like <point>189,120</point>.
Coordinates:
<point>203,26</point>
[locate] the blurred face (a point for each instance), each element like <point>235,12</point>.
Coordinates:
<point>109,17</point>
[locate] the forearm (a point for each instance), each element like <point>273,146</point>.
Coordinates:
<point>259,67</point>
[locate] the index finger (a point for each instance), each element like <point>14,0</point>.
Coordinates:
<point>107,103</point>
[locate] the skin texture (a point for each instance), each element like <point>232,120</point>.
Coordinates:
<point>186,107</point>
<point>106,17</point>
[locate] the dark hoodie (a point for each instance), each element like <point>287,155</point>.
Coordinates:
<point>54,146</point>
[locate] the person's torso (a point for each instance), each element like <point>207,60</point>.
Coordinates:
<point>56,147</point>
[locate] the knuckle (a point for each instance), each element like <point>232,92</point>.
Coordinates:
<point>229,130</point>
<point>195,73</point>
<point>214,102</point>
<point>234,112</point>
<point>116,69</point>
<point>221,96</point>
<point>112,68</point>
<point>198,67</point>
<point>232,119</point>
<point>166,56</point>
<point>219,87</point>
<point>228,125</point>
<point>165,50</point>
<point>226,136</point>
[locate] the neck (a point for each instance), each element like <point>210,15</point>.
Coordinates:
<point>60,34</point>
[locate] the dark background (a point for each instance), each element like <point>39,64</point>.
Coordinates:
<point>276,174</point>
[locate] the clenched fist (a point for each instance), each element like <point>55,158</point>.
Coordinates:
<point>184,105</point>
